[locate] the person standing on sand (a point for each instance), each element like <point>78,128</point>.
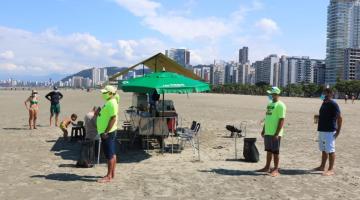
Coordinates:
<point>353,99</point>
<point>106,124</point>
<point>54,97</point>
<point>346,98</point>
<point>273,130</point>
<point>33,108</point>
<point>329,126</point>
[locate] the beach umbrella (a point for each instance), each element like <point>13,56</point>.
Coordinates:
<point>163,82</point>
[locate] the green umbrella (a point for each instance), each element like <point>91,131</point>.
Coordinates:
<point>163,82</point>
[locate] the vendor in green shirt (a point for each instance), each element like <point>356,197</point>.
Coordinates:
<point>106,124</point>
<point>273,130</point>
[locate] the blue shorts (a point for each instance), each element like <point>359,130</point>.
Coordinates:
<point>272,145</point>
<point>109,145</point>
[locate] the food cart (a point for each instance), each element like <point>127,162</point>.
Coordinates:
<point>154,118</point>
<point>150,125</point>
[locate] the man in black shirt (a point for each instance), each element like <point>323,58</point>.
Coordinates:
<point>329,127</point>
<point>54,97</point>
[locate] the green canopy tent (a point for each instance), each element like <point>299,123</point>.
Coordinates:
<point>163,82</point>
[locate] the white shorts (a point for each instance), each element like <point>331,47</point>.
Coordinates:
<point>327,141</point>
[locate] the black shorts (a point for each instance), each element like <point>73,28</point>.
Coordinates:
<point>109,145</point>
<point>272,145</point>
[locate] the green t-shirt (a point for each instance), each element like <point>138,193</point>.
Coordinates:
<point>110,109</point>
<point>274,112</point>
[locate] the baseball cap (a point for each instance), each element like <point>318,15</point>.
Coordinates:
<point>109,88</point>
<point>274,90</point>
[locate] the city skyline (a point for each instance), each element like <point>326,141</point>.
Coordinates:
<point>132,30</point>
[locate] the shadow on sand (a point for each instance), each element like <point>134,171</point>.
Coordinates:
<point>70,150</point>
<point>67,177</point>
<point>230,172</point>
<point>237,160</point>
<point>293,172</point>
<point>25,127</point>
<point>16,129</point>
<point>286,172</point>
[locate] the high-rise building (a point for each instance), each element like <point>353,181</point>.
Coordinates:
<point>270,70</point>
<point>86,82</point>
<point>203,71</point>
<point>319,73</point>
<point>197,71</point>
<point>352,61</point>
<point>243,73</point>
<point>77,82</point>
<point>206,73</point>
<point>284,71</point>
<point>181,56</point>
<point>251,76</point>
<point>296,70</point>
<point>244,55</point>
<point>258,66</point>
<point>236,75</point>
<point>96,78</point>
<point>219,72</point>
<point>343,31</point>
<point>229,72</point>
<point>103,75</point>
<point>292,70</point>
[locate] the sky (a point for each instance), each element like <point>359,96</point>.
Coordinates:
<point>53,38</point>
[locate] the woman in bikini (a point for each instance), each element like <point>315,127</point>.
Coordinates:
<point>33,108</point>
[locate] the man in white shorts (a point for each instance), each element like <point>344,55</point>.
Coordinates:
<point>329,127</point>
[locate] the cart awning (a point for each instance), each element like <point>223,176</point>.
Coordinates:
<point>157,63</point>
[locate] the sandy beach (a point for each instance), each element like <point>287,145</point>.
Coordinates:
<point>35,165</point>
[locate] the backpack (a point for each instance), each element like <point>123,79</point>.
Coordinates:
<point>250,152</point>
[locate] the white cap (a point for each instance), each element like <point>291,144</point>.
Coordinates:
<point>109,88</point>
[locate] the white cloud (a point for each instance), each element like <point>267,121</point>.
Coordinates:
<point>8,66</point>
<point>7,55</point>
<point>141,8</point>
<point>136,50</point>
<point>181,28</point>
<point>173,24</point>
<point>196,58</point>
<point>206,34</point>
<point>50,52</point>
<point>268,26</point>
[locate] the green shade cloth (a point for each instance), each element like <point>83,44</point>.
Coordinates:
<point>163,82</point>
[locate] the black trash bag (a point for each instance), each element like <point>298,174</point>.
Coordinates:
<point>250,152</point>
<point>87,155</point>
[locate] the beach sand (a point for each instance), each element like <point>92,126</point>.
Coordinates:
<point>35,165</point>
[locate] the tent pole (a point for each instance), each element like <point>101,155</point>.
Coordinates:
<point>143,70</point>
<point>155,64</point>
<point>162,121</point>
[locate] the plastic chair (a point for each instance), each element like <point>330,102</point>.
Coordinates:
<point>78,130</point>
<point>189,136</point>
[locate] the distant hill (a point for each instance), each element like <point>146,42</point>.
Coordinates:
<point>86,73</point>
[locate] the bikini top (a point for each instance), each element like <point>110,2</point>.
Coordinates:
<point>33,102</point>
